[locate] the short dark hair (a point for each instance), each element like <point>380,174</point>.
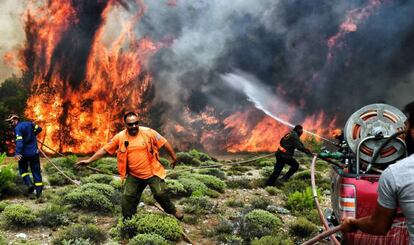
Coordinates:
<point>409,111</point>
<point>298,128</point>
<point>128,114</point>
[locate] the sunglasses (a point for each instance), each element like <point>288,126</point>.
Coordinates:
<point>132,124</point>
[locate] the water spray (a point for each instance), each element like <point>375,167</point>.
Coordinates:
<point>260,97</point>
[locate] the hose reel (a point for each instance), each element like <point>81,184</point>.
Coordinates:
<point>369,127</point>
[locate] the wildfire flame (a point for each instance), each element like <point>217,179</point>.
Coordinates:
<point>353,19</point>
<point>79,106</point>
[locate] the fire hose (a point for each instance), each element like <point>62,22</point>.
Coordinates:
<point>327,232</point>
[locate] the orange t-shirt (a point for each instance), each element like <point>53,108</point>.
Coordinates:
<point>140,163</point>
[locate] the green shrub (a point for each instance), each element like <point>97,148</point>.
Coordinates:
<point>53,216</point>
<point>147,198</point>
<point>63,163</point>
<point>232,202</point>
<point>230,239</point>
<point>98,178</point>
<point>148,239</point>
<point>175,189</point>
<point>165,163</point>
<point>91,196</point>
<point>188,159</point>
<point>312,216</point>
<point>3,239</point>
<point>80,232</point>
<point>7,177</point>
<point>273,191</point>
<point>239,184</point>
<point>266,171</point>
<point>56,179</point>
<point>302,228</point>
<point>300,201</point>
<point>3,205</point>
<point>199,205</point>
<point>224,227</point>
<point>77,241</point>
<point>306,175</point>
<point>264,162</point>
<point>192,185</point>
<point>117,184</point>
<point>200,155</point>
<point>260,202</point>
<point>144,222</point>
<point>210,181</point>
<point>19,216</point>
<point>314,144</point>
<point>214,172</point>
<point>294,185</point>
<point>107,164</point>
<point>258,223</point>
<point>239,169</point>
<point>273,240</point>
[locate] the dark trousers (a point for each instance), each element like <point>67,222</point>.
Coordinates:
<point>34,164</point>
<point>133,188</point>
<point>280,163</point>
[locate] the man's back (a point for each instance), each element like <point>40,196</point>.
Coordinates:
<point>26,142</point>
<point>396,189</point>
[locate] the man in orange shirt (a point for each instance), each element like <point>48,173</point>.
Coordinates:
<point>137,155</point>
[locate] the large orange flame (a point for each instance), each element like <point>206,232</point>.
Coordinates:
<point>80,119</point>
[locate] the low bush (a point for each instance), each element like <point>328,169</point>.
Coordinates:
<point>258,223</point>
<point>214,172</point>
<point>18,215</point>
<point>230,239</point>
<point>306,175</point>
<point>224,227</point>
<point>241,183</point>
<point>199,205</point>
<point>116,183</point>
<point>192,185</point>
<point>107,164</point>
<point>234,203</point>
<point>148,239</point>
<point>299,202</point>
<point>147,198</point>
<point>264,162</point>
<point>187,159</point>
<point>63,163</point>
<point>150,223</point>
<point>56,179</point>
<point>165,163</point>
<point>75,232</point>
<point>210,181</point>
<point>53,216</point>
<point>273,240</point>
<point>175,189</point>
<point>3,239</point>
<point>92,197</point>
<point>7,176</point>
<point>258,202</point>
<point>3,205</point>
<point>273,191</point>
<point>312,216</point>
<point>237,169</point>
<point>200,155</point>
<point>266,171</point>
<point>294,185</point>
<point>98,178</point>
<point>302,228</point>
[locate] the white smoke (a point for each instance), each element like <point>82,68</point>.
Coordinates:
<point>12,33</point>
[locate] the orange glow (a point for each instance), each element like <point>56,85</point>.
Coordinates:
<point>81,120</point>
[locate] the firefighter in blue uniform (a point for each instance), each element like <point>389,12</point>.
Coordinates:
<point>284,155</point>
<point>27,153</point>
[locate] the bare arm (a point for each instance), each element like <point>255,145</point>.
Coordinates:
<point>377,224</point>
<point>98,155</point>
<point>171,152</point>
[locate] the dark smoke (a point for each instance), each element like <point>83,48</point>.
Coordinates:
<point>283,44</point>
